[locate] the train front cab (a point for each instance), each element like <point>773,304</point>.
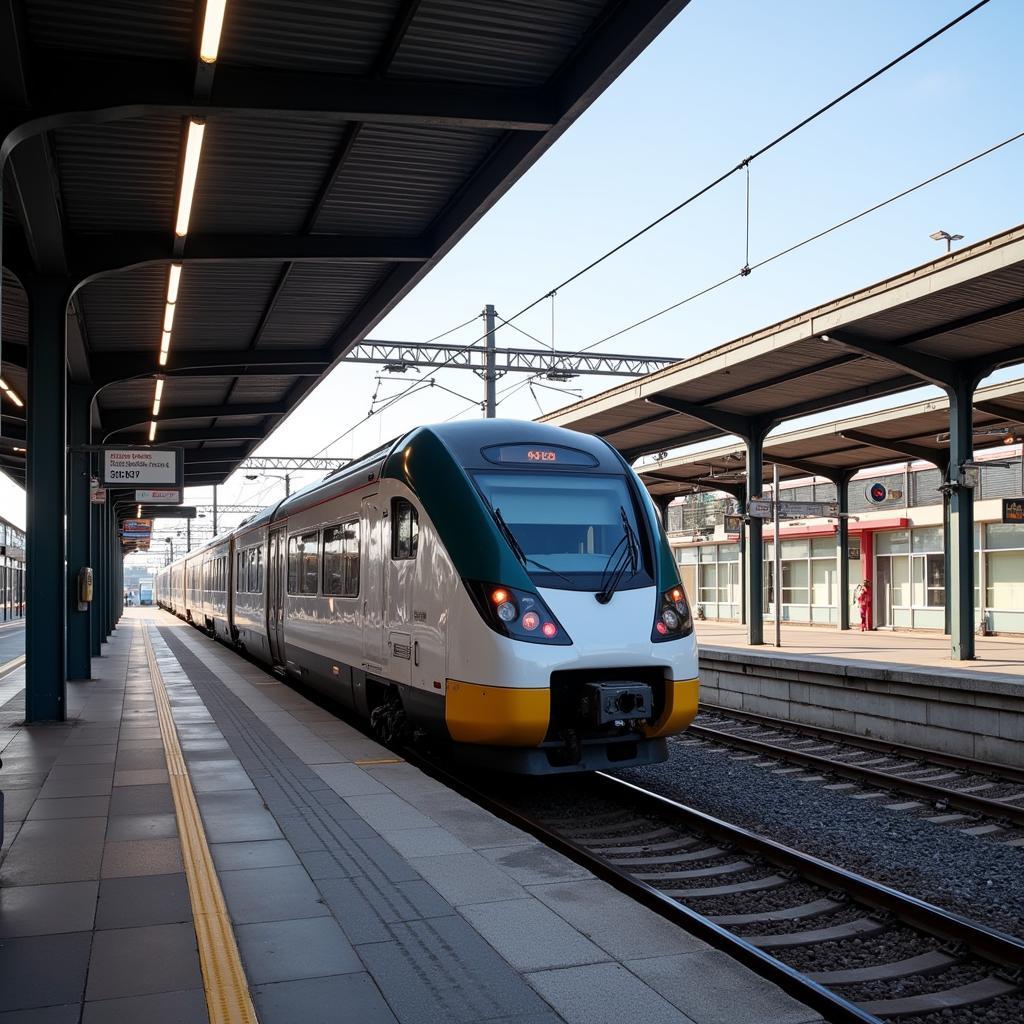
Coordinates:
<point>611,682</point>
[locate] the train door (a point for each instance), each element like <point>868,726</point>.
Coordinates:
<point>276,575</point>
<point>374,523</point>
<point>400,557</point>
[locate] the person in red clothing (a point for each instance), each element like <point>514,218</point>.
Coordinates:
<point>862,595</point>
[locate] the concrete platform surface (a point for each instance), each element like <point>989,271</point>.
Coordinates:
<point>358,888</point>
<point>999,657</point>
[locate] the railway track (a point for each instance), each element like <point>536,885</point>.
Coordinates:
<point>958,788</point>
<point>849,947</point>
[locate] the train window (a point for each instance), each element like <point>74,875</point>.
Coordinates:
<point>259,570</point>
<point>341,559</point>
<point>405,529</point>
<point>302,564</point>
<point>239,572</point>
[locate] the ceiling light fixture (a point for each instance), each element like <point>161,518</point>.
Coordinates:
<point>9,392</point>
<point>212,24</point>
<point>189,173</point>
<point>156,396</point>
<point>173,278</point>
<point>152,430</point>
<point>138,511</point>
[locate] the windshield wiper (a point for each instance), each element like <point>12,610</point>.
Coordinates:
<point>629,552</point>
<point>517,549</point>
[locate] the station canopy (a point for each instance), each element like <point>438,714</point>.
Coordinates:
<point>345,147</point>
<point>918,432</point>
<point>911,330</point>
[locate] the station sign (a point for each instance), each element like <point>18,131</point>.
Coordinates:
<point>146,467</point>
<point>764,508</point>
<point>878,493</point>
<point>137,528</point>
<point>157,497</point>
<point>732,524</point>
<point>1013,510</point>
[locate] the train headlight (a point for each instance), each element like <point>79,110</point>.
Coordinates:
<point>517,614</point>
<point>672,620</point>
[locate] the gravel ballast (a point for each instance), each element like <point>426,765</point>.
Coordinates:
<point>979,879</point>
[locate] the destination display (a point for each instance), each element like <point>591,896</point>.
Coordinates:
<point>537,455</point>
<point>764,508</point>
<point>153,467</point>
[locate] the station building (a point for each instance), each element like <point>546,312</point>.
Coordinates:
<point>896,544</point>
<point>12,571</point>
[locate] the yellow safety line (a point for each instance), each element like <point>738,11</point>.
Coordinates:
<point>227,992</point>
<point>11,665</point>
<point>378,760</point>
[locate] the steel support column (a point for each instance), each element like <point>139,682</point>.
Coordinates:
<point>95,612</point>
<point>842,482</point>
<point>45,479</point>
<point>754,562</point>
<point>79,644</point>
<point>960,584</point>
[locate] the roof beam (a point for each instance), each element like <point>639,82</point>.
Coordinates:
<point>70,89</point>
<point>858,394</point>
<point>90,255</point>
<point>115,420</point>
<point>927,368</point>
<point>728,422</point>
<point>172,436</point>
<point>1004,412</point>
<point>288,362</point>
<point>900,447</point>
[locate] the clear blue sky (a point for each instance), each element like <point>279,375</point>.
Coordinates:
<point>724,78</point>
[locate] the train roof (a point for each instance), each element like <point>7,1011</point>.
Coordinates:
<point>464,439</point>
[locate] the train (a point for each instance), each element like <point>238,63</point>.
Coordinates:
<point>503,590</point>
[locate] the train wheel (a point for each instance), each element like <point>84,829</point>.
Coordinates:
<point>388,720</point>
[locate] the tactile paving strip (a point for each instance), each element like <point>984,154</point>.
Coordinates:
<point>430,964</point>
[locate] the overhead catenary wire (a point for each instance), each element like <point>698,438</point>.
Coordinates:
<point>743,165</point>
<point>746,161</point>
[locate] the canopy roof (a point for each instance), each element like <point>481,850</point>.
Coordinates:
<point>348,146</point>
<point>912,329</point>
<point>917,431</point>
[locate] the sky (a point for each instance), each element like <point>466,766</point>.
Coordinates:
<point>724,78</point>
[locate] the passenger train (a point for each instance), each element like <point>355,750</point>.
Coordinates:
<point>501,588</point>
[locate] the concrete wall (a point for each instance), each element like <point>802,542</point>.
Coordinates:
<point>980,717</point>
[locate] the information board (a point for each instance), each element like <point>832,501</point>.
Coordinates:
<point>148,467</point>
<point>1013,510</point>
<point>764,508</point>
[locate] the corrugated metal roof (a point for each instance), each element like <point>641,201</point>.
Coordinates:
<point>316,299</point>
<point>497,42</point>
<point>398,178</point>
<point>788,370</point>
<point>136,28</point>
<point>406,176</point>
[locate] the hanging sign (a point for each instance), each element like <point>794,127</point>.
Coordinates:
<point>878,493</point>
<point>1013,510</point>
<point>732,524</point>
<point>168,497</point>
<point>137,528</point>
<point>147,467</point>
<point>764,508</point>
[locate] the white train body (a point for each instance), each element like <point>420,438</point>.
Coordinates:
<point>502,587</point>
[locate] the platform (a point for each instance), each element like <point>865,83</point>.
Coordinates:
<point>898,687</point>
<point>358,889</point>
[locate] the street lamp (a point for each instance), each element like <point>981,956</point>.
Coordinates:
<point>945,236</point>
<point>287,478</point>
<point>170,549</point>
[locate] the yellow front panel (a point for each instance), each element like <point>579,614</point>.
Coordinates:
<point>499,715</point>
<point>680,709</point>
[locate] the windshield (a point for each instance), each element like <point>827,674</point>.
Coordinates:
<point>566,525</point>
